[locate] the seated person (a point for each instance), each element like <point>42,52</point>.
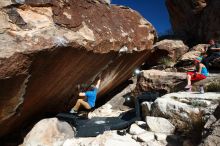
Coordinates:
<point>89,99</point>
<point>212,52</point>
<point>200,73</point>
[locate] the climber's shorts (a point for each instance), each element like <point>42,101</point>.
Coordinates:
<point>196,77</point>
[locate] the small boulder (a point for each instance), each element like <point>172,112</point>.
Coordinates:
<point>146,137</point>
<point>135,129</point>
<point>160,81</point>
<point>162,125</point>
<point>142,124</point>
<point>49,132</point>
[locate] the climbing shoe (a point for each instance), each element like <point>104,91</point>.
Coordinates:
<point>188,87</point>
<point>201,90</point>
<point>72,111</point>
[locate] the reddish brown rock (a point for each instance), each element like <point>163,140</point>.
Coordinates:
<point>49,47</point>
<point>166,52</point>
<point>160,81</point>
<point>195,20</point>
<point>167,82</point>
<point>185,63</point>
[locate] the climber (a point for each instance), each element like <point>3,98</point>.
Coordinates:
<point>212,52</point>
<point>89,98</point>
<point>200,73</point>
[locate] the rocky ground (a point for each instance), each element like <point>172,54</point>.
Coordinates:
<point>173,119</point>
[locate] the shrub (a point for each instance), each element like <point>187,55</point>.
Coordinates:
<point>213,87</point>
<point>166,61</point>
<point>196,103</point>
<point>174,97</point>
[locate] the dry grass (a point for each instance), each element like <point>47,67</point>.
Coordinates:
<point>213,87</point>
<point>166,61</point>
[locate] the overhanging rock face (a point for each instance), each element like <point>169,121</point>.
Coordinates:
<point>48,47</point>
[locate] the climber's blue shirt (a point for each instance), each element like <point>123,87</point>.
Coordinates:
<point>204,71</point>
<point>91,97</point>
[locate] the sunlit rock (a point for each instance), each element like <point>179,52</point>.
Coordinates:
<point>49,47</point>
<point>49,132</point>
<point>185,110</point>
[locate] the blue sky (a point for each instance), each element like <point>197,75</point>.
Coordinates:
<point>153,10</point>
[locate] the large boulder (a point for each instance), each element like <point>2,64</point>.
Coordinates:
<point>195,20</point>
<point>160,81</point>
<point>186,111</point>
<point>49,47</point>
<point>166,52</point>
<point>166,82</point>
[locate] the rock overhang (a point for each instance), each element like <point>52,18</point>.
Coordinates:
<point>49,47</point>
